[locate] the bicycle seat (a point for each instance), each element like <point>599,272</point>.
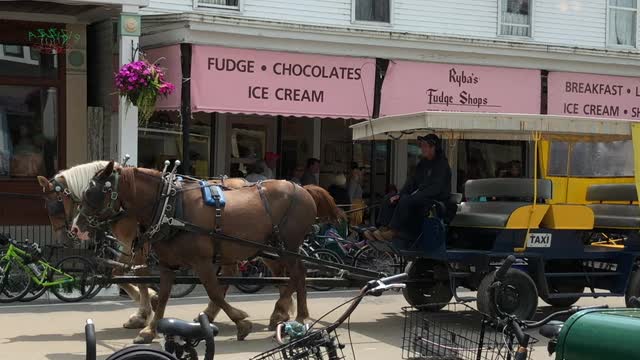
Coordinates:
<point>184,329</point>
<point>552,329</point>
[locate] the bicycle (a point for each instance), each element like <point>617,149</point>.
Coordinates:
<point>71,279</point>
<point>254,267</point>
<point>324,343</point>
<point>516,326</point>
<point>181,339</point>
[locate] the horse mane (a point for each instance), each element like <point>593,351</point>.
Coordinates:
<point>79,176</point>
<point>325,204</point>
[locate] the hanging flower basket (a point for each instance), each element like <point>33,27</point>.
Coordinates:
<point>141,83</point>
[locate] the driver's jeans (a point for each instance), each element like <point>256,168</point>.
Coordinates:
<point>404,215</point>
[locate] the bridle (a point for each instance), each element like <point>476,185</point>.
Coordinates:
<point>62,192</point>
<point>113,211</point>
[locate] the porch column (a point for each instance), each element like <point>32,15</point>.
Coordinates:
<point>129,36</point>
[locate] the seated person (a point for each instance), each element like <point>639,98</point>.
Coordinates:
<point>431,181</point>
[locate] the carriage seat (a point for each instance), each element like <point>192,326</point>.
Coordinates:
<point>613,206</point>
<point>501,198</point>
<point>447,210</point>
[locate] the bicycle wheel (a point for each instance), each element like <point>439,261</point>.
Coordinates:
<point>381,261</point>
<point>14,282</point>
<point>141,352</point>
<point>253,268</point>
<point>35,291</point>
<point>77,279</point>
<point>326,255</point>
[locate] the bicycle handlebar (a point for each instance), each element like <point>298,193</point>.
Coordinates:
<point>90,340</point>
<point>205,325</point>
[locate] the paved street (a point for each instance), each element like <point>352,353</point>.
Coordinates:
<point>56,331</point>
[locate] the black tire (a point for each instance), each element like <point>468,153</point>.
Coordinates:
<point>519,295</point>
<point>255,268</point>
<point>14,282</point>
<point>381,261</point>
<point>327,255</point>
<point>633,289</point>
<point>35,291</point>
<point>141,352</point>
<point>433,292</point>
<point>84,279</point>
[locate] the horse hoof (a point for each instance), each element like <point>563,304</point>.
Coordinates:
<point>144,338</point>
<point>135,322</point>
<point>244,329</point>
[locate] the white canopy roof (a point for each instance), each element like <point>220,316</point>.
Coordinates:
<point>489,126</point>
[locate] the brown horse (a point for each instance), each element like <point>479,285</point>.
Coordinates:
<point>246,216</point>
<point>62,198</point>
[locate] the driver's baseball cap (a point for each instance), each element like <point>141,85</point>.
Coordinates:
<point>431,139</point>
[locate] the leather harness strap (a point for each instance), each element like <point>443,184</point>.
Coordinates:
<point>276,226</point>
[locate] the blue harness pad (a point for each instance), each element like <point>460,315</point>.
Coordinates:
<point>212,195</point>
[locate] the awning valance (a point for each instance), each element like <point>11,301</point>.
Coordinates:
<point>489,126</point>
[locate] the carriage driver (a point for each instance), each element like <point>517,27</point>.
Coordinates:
<point>432,181</point>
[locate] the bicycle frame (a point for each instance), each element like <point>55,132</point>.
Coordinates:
<point>18,256</point>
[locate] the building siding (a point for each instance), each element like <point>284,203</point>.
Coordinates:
<point>573,23</point>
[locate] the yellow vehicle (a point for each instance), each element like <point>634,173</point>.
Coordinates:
<point>569,233</point>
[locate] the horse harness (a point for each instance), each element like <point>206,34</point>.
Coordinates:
<point>168,218</point>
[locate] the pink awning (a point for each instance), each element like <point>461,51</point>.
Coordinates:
<point>278,83</point>
<point>412,87</point>
<point>168,58</point>
<point>590,95</point>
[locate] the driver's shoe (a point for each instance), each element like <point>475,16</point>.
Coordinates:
<point>385,235</point>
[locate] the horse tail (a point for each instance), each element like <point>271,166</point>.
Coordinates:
<point>327,208</point>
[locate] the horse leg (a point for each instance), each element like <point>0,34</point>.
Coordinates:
<point>298,275</point>
<point>139,319</point>
<point>226,269</point>
<point>147,334</point>
<point>206,271</point>
<point>284,304</point>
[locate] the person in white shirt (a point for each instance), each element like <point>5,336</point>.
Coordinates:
<point>270,162</point>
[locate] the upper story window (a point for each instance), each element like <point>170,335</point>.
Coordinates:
<point>373,10</point>
<point>224,4</point>
<point>623,16</point>
<point>515,17</point>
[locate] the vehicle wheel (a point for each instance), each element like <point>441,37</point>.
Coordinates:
<point>634,287</point>
<point>372,259</point>
<point>82,284</point>
<point>141,352</point>
<point>433,292</point>
<point>14,282</point>
<point>35,291</point>
<point>518,295</point>
<point>253,268</point>
<point>326,255</point>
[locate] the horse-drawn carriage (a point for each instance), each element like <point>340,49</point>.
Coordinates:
<point>562,248</point>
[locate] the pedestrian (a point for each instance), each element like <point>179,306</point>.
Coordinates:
<point>355,194</point>
<point>270,163</point>
<point>256,172</point>
<point>311,174</point>
<point>431,181</point>
<point>297,174</point>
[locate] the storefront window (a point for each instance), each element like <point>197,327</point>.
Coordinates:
<point>608,159</point>
<point>336,150</point>
<point>489,159</point>
<point>28,131</point>
<point>26,61</point>
<point>296,145</point>
<point>162,140</point>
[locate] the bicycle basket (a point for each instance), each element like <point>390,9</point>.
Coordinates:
<point>316,345</point>
<point>458,332</point>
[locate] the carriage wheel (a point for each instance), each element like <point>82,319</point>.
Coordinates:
<point>433,290</point>
<point>518,295</point>
<point>326,255</point>
<point>634,287</point>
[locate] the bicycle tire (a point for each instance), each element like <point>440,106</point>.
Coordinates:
<point>87,279</point>
<point>178,290</point>
<point>370,258</point>
<point>262,271</point>
<point>13,288</point>
<point>327,255</point>
<point>141,352</point>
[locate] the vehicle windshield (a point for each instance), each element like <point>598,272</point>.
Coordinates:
<point>592,159</point>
